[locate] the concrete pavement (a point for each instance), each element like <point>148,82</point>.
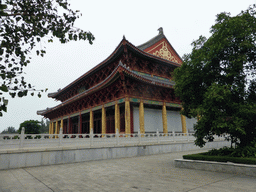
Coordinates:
<point>145,173</point>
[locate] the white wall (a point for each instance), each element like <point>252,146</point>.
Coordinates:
<point>190,123</point>
<point>153,120</point>
<point>174,121</point>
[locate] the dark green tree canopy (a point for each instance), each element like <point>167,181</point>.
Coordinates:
<point>216,82</point>
<point>31,127</point>
<point>45,126</point>
<point>24,23</point>
<point>9,130</point>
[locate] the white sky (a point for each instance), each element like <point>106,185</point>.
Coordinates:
<point>183,21</point>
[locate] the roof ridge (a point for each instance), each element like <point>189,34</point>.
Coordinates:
<point>153,40</point>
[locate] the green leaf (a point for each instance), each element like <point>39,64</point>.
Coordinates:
<point>20,94</point>
<point>18,19</point>
<point>13,94</point>
<point>27,25</point>
<point>4,88</point>
<point>75,37</point>
<point>4,108</point>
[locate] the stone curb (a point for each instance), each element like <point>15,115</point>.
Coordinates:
<point>234,168</point>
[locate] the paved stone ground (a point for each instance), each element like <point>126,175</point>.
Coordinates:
<point>147,173</point>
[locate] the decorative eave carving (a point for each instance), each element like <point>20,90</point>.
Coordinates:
<point>123,47</point>
<point>165,53</point>
<point>121,69</point>
<point>152,47</point>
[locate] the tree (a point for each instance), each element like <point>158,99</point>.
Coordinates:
<point>22,25</point>
<point>31,127</point>
<point>216,81</point>
<point>9,130</point>
<point>44,126</point>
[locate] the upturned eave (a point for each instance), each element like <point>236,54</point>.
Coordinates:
<point>121,68</point>
<point>119,50</point>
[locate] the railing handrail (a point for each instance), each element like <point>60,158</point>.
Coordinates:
<point>93,138</point>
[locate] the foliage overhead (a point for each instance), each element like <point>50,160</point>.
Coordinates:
<point>216,81</point>
<point>24,23</point>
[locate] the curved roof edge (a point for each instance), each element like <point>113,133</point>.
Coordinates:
<point>55,94</point>
<point>156,39</point>
<point>109,79</point>
<point>123,43</point>
<point>152,41</point>
<point>42,112</point>
<point>52,94</point>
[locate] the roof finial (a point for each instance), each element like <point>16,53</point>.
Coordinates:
<point>161,31</point>
<point>123,37</point>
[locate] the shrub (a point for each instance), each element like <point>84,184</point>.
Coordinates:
<point>247,151</point>
<point>205,157</point>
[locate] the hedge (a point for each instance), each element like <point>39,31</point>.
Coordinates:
<point>203,157</point>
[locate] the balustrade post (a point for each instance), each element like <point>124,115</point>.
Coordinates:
<point>91,136</point>
<point>157,135</point>
<point>60,136</point>
<point>22,137</point>
<point>117,137</point>
<point>139,136</point>
<point>173,134</point>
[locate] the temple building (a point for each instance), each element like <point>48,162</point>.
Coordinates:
<point>131,90</point>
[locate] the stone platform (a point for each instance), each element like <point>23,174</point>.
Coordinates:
<point>29,157</point>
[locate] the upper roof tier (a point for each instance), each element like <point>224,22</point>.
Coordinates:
<point>120,69</point>
<point>158,50</point>
<point>161,47</point>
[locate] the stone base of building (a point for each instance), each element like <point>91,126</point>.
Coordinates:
<point>51,156</point>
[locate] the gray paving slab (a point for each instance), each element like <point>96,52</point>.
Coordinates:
<point>145,173</point>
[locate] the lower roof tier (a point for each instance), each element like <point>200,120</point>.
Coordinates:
<point>120,84</point>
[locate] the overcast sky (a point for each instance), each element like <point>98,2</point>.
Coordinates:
<point>183,21</point>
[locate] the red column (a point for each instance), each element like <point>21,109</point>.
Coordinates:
<point>65,129</point>
<point>69,126</point>
<point>80,124</point>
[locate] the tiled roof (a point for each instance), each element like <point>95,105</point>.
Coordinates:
<point>119,48</point>
<point>152,41</point>
<point>121,67</point>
